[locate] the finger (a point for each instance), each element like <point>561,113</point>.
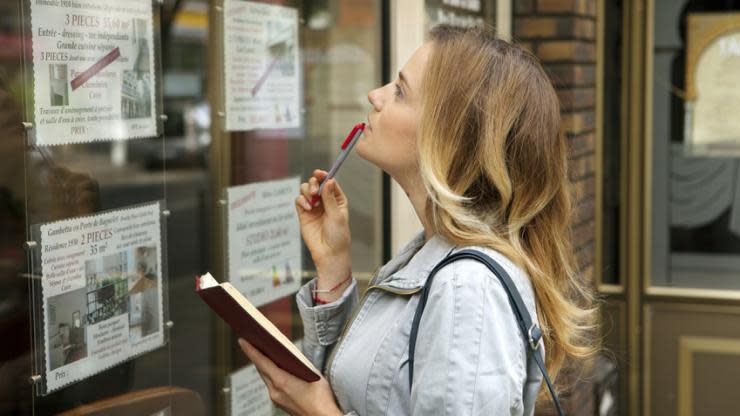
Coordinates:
<point>277,379</point>
<point>339,194</point>
<point>320,174</point>
<point>251,353</point>
<point>302,204</point>
<point>313,186</point>
<point>313,197</point>
<point>330,201</point>
<point>306,194</point>
<point>299,209</point>
<point>306,190</point>
<point>262,362</point>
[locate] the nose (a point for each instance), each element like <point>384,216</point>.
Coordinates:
<point>375,99</point>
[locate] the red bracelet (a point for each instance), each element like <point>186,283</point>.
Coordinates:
<point>318,301</point>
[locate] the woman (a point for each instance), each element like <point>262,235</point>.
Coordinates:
<point>470,130</point>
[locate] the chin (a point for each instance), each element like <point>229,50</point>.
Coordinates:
<point>365,153</point>
<point>360,149</point>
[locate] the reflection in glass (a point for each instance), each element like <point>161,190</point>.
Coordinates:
<point>340,61</point>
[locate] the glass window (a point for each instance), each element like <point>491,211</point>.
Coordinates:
<point>695,238</point>
<point>611,142</point>
<point>161,70</point>
<point>340,62</point>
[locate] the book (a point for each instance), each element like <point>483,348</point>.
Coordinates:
<point>249,323</point>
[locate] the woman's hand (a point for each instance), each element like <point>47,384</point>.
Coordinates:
<point>325,229</point>
<point>290,393</point>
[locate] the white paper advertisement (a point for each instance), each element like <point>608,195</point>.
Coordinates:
<point>102,291</point>
<point>93,70</point>
<point>261,66</point>
<point>249,395</point>
<point>264,240</point>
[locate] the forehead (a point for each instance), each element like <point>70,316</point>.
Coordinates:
<point>413,70</point>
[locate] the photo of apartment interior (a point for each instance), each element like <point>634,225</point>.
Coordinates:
<point>143,294</point>
<point>107,287</point>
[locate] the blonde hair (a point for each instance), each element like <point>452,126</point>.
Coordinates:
<point>494,164</point>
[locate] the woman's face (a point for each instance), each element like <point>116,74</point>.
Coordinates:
<point>389,141</point>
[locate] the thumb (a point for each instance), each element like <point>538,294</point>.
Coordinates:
<point>328,198</point>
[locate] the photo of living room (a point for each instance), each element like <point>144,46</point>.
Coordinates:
<point>66,328</point>
<point>143,294</point>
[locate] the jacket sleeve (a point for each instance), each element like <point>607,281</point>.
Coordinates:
<point>470,357</point>
<point>322,324</point>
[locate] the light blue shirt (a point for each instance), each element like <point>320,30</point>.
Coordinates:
<point>471,358</point>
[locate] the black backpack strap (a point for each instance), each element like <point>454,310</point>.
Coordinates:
<point>531,332</point>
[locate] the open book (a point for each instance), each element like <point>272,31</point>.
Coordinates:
<point>250,324</point>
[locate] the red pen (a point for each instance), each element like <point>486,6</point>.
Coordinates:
<point>347,146</point>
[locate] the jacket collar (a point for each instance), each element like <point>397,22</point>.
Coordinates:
<point>411,267</point>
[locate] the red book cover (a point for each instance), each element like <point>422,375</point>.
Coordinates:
<point>249,323</point>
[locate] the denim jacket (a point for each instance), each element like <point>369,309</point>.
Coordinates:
<point>471,358</point>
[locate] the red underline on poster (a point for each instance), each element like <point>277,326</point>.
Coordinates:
<point>263,78</point>
<point>97,67</point>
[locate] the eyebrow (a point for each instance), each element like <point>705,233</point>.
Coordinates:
<point>403,79</point>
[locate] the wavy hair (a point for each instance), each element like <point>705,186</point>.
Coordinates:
<point>494,164</point>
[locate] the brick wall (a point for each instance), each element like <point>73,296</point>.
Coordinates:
<point>562,33</point>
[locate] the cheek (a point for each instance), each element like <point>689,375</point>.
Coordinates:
<point>399,139</point>
<point>392,143</point>
<point>401,125</point>
<point>406,128</point>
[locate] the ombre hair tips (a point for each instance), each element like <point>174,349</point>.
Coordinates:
<point>494,163</point>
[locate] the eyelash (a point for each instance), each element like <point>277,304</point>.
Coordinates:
<point>399,92</point>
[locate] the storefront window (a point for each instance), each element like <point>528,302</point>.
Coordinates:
<point>611,142</point>
<point>695,145</point>
<point>145,144</point>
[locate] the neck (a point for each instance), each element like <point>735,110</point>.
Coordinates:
<point>414,188</point>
